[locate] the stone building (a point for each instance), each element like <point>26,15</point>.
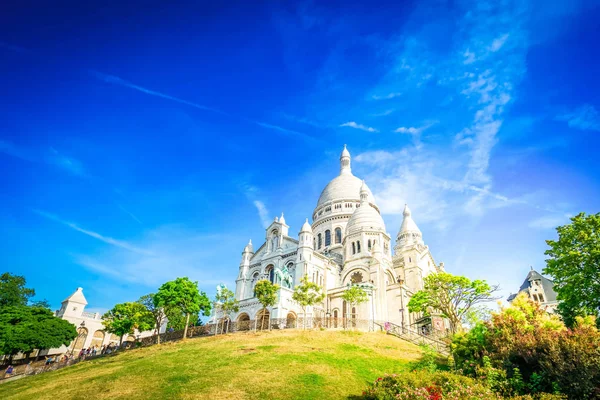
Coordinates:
<point>346,244</point>
<point>539,289</point>
<point>89,326</point>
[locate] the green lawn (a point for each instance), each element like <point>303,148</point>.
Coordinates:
<point>264,365</point>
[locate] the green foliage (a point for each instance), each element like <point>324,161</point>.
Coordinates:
<point>227,302</point>
<point>158,313</point>
<point>266,292</point>
<point>355,295</point>
<point>429,358</point>
<point>573,263</point>
<point>13,291</point>
<point>307,294</point>
<point>176,319</point>
<point>421,384</point>
<point>182,296</point>
<point>452,295</point>
<point>524,350</point>
<point>124,318</point>
<point>24,329</point>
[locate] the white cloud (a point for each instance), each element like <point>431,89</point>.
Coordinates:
<point>122,82</point>
<point>263,213</point>
<point>549,221</point>
<point>51,157</point>
<point>383,113</point>
<point>387,96</point>
<point>585,118</point>
<point>498,43</point>
<point>95,235</point>
<point>354,125</point>
<point>176,252</point>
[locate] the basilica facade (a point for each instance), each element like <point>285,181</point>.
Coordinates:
<point>346,244</point>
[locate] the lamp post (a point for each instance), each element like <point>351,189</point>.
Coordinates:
<point>79,332</point>
<point>401,282</point>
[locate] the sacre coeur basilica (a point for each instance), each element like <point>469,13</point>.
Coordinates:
<point>346,244</point>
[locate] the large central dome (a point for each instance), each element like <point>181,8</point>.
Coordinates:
<point>345,186</point>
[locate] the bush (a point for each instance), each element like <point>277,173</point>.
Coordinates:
<point>523,350</point>
<point>421,384</point>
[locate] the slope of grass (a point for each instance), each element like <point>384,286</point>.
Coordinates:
<point>264,365</point>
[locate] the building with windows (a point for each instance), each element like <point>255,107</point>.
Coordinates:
<point>346,244</point>
<point>539,289</point>
<point>90,330</point>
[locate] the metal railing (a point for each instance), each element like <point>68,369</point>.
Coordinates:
<point>414,336</point>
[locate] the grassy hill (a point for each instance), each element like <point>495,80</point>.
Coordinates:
<point>264,365</point>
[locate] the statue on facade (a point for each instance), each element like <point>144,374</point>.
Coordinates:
<point>283,276</point>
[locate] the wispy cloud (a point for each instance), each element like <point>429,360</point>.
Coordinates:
<point>383,113</point>
<point>95,235</point>
<point>51,157</point>
<point>549,221</point>
<point>386,96</point>
<point>176,251</point>
<point>122,82</point>
<point>585,118</point>
<point>362,127</point>
<point>263,213</point>
<point>126,211</point>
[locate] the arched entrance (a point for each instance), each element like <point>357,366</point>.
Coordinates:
<point>243,322</point>
<point>290,321</point>
<point>262,319</point>
<point>97,339</point>
<point>82,334</point>
<point>335,318</point>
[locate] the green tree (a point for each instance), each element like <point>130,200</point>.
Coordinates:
<point>183,294</point>
<point>227,303</point>
<point>24,329</point>
<point>124,318</point>
<point>452,295</point>
<point>307,294</point>
<point>574,265</point>
<point>13,291</point>
<point>158,313</point>
<point>354,296</point>
<point>266,293</point>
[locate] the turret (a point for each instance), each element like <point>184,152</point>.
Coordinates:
<point>243,275</point>
<point>409,233</point>
<point>345,162</point>
<point>73,305</point>
<point>275,233</point>
<point>305,237</point>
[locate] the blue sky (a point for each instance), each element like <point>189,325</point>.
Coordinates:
<point>143,142</point>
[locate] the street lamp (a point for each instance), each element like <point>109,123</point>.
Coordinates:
<point>79,332</point>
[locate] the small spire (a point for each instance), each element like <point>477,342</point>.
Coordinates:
<point>364,192</point>
<point>345,162</point>
<point>248,248</point>
<point>281,219</point>
<point>406,211</point>
<point>306,227</point>
<point>276,219</point>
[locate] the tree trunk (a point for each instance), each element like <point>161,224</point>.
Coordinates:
<point>187,322</point>
<point>121,341</point>
<point>262,319</point>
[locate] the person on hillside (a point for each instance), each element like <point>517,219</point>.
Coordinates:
<point>9,371</point>
<point>94,351</point>
<point>103,350</point>
<point>82,354</point>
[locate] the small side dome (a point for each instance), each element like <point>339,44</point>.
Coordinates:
<point>248,248</point>
<point>365,217</point>
<point>306,227</point>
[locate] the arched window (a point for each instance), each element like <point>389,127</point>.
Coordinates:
<point>319,241</point>
<point>327,238</point>
<point>358,246</point>
<point>338,235</point>
<point>353,248</point>
<point>271,273</point>
<point>369,244</point>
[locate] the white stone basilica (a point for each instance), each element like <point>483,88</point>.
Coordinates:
<point>346,244</point>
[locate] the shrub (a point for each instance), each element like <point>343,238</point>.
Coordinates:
<point>421,384</point>
<point>523,350</point>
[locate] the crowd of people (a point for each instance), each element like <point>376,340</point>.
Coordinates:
<point>63,359</point>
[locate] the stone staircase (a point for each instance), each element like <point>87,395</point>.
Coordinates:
<point>413,336</point>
